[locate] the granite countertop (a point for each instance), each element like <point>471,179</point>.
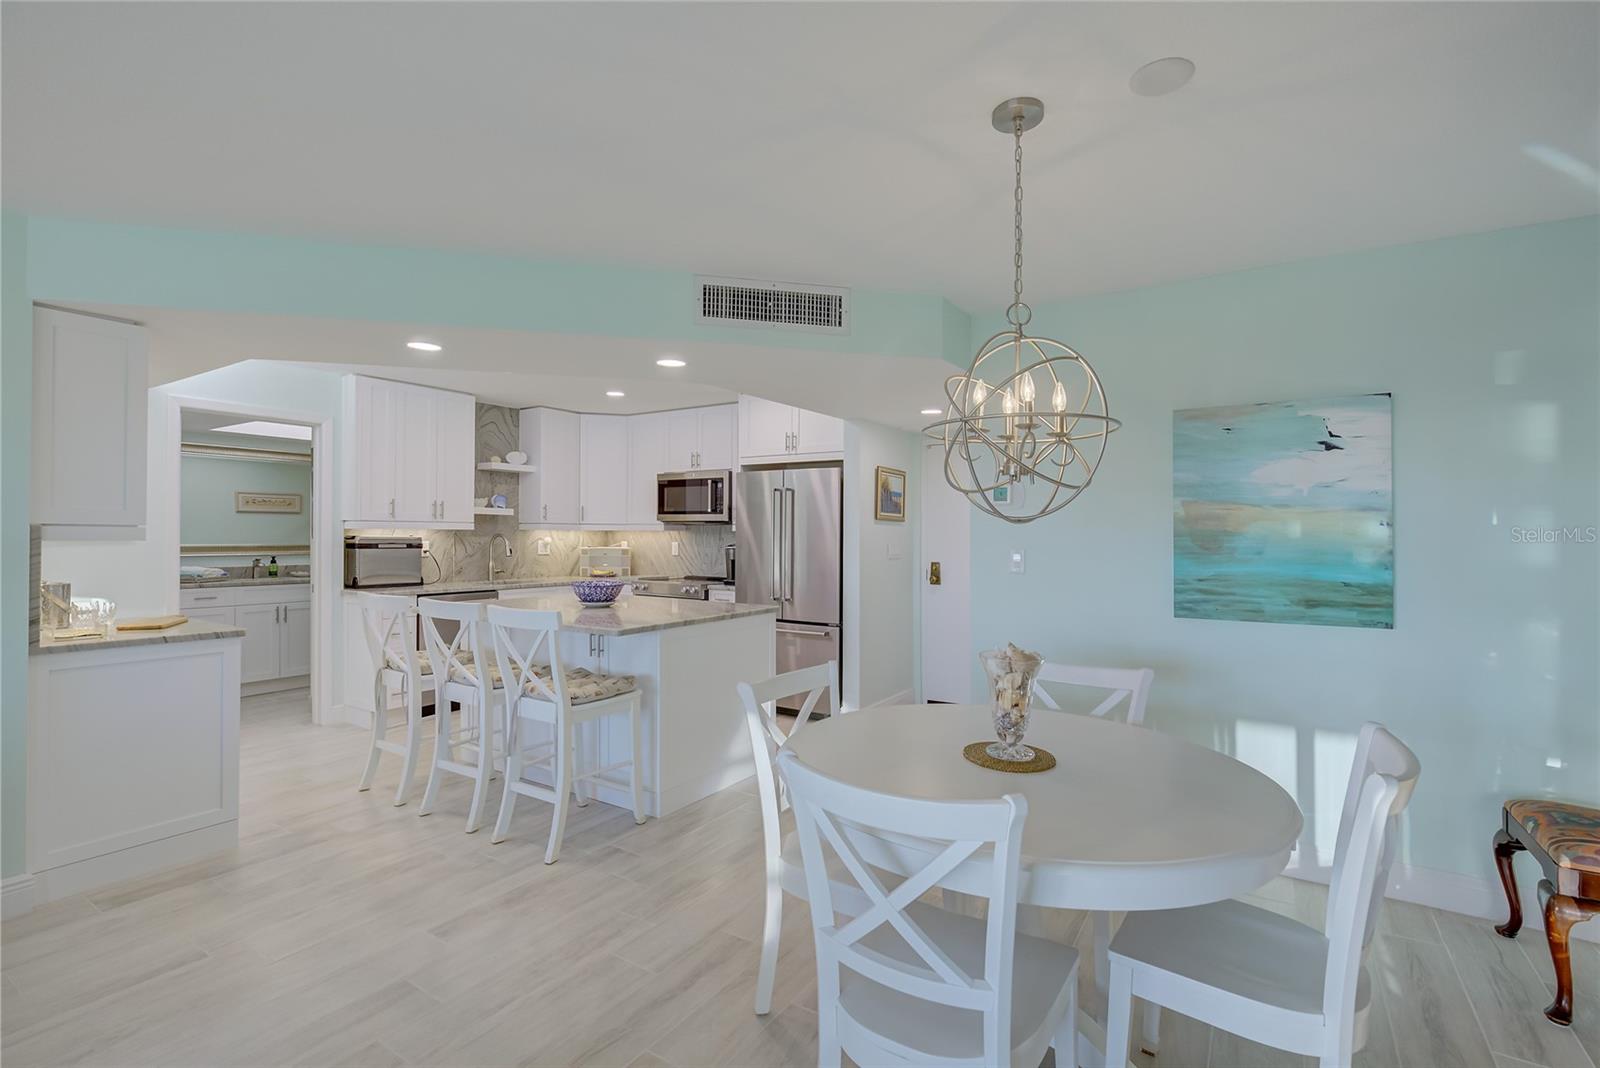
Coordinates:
<point>433,589</point>
<point>195,630</point>
<point>636,615</point>
<point>274,580</point>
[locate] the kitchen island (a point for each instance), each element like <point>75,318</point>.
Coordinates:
<point>133,754</point>
<point>687,657</point>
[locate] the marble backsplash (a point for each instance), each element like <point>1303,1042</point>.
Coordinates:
<point>463,555</point>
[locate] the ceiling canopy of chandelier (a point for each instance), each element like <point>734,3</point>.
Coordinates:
<point>1025,427</point>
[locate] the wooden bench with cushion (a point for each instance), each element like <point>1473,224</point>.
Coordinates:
<point>1565,839</point>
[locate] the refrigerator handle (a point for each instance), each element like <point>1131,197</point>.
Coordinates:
<point>788,590</point>
<point>777,545</point>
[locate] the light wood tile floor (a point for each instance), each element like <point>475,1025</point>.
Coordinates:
<point>345,931</point>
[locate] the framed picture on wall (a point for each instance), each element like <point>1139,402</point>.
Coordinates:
<point>890,495</point>
<point>278,503</point>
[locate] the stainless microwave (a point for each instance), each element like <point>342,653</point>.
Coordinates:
<point>694,497</point>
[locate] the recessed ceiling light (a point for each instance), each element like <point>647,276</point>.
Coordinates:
<point>1162,76</point>
<point>931,411</point>
<point>615,393</point>
<point>424,346</point>
<point>670,361</point>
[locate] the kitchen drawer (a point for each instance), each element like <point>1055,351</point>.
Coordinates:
<point>211,615</point>
<point>206,598</point>
<point>288,594</point>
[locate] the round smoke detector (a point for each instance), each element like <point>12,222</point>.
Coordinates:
<point>1162,76</point>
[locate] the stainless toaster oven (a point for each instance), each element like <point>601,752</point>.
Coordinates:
<point>371,561</point>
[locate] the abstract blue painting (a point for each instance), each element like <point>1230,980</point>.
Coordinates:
<point>1284,512</point>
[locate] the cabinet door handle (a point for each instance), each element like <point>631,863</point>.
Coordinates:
<point>391,507</point>
<point>544,511</point>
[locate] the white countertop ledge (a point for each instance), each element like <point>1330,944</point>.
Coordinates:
<point>636,615</point>
<point>195,630</point>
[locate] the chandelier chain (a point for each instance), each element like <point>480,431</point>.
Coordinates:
<point>1016,285</point>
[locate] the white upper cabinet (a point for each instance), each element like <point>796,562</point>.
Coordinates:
<point>701,438</point>
<point>456,419</point>
<point>552,440</point>
<point>775,433</point>
<point>90,409</point>
<point>648,437</point>
<point>407,454</point>
<point>603,474</point>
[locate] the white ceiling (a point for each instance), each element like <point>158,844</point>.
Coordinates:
<point>843,143</point>
<point>521,369</point>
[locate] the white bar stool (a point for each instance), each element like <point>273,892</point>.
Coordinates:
<point>539,690</point>
<point>461,675</point>
<point>388,621</point>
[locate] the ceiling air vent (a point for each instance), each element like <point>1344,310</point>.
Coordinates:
<point>778,305</point>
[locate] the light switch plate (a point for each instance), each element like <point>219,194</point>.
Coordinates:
<point>542,546</point>
<point>1016,561</point>
<point>674,548</point>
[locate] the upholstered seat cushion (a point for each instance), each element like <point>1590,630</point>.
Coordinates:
<point>583,685</point>
<point>1569,834</point>
<point>396,661</point>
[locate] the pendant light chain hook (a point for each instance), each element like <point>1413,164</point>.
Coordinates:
<point>1019,313</point>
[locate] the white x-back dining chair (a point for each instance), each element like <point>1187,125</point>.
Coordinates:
<point>463,675</point>
<point>538,689</point>
<point>1130,685</point>
<point>784,870</point>
<point>909,983</point>
<point>1126,692</point>
<point>387,620</point>
<point>1266,977</point>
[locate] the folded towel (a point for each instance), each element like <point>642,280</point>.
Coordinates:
<point>196,571</point>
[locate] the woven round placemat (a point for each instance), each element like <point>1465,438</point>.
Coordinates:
<point>977,753</point>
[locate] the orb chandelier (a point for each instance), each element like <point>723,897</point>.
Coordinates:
<point>1025,427</point>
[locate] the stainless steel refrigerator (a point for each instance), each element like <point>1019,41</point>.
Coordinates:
<point>790,525</point>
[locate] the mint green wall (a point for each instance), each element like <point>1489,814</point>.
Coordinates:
<point>16,405</point>
<point>1491,347</point>
<point>206,508</point>
<point>72,260</point>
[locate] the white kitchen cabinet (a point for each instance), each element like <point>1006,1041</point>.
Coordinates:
<point>719,437</point>
<point>701,438</point>
<point>456,420</point>
<point>294,653</point>
<point>263,641</point>
<point>90,410</point>
<point>603,473</point>
<point>648,444</point>
<point>779,433</point>
<point>407,455</point>
<point>550,496</point>
<point>276,620</point>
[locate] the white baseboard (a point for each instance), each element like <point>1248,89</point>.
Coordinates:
<point>904,697</point>
<point>53,884</point>
<point>1450,891</point>
<point>353,715</point>
<point>16,896</point>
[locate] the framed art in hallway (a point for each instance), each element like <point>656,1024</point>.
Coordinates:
<point>1284,512</point>
<point>889,496</point>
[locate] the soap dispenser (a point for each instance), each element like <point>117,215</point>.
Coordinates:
<point>272,567</point>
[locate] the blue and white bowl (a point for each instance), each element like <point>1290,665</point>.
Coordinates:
<point>598,591</point>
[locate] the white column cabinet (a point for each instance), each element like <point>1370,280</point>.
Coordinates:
<point>603,474</point>
<point>90,412</point>
<point>777,433</point>
<point>407,455</point>
<point>648,451</point>
<point>553,441</point>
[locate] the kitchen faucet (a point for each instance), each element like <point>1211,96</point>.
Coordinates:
<point>493,571</point>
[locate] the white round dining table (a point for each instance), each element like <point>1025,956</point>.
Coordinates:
<point>1128,819</point>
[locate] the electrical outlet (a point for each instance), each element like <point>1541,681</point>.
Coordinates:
<point>674,548</point>
<point>1016,561</point>
<point>541,546</point>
